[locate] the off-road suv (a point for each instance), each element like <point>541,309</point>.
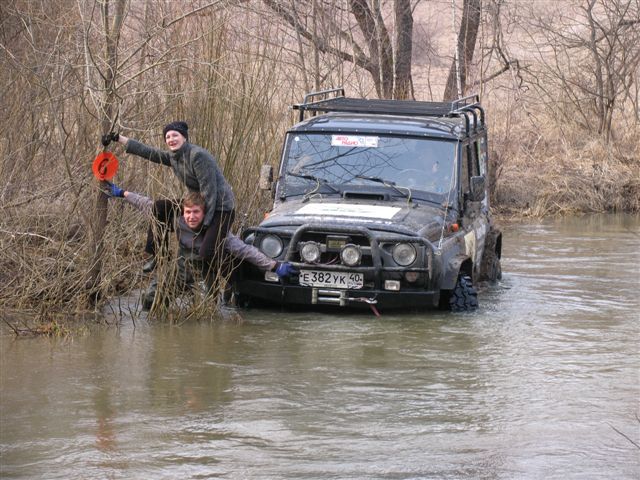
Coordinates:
<point>379,202</point>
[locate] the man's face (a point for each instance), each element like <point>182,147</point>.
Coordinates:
<point>174,140</point>
<point>193,216</point>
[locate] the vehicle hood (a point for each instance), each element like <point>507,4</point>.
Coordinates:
<point>397,216</point>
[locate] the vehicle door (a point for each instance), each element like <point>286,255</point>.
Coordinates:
<point>474,219</point>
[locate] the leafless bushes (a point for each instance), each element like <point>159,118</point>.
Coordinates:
<point>567,118</point>
<point>537,178</point>
<point>67,87</point>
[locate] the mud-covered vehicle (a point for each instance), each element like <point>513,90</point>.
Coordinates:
<point>378,202</point>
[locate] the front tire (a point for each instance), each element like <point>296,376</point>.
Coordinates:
<point>494,269</point>
<point>464,297</point>
<point>241,301</point>
<point>490,268</point>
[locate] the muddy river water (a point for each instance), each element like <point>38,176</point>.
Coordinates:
<point>541,383</point>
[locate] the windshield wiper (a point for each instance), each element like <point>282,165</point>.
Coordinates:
<point>388,183</point>
<point>319,180</point>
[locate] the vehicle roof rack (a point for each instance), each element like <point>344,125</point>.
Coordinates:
<point>334,100</point>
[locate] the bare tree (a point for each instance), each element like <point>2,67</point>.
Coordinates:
<point>497,58</point>
<point>366,41</point>
<point>591,54</point>
<point>465,46</point>
<point>403,82</point>
<point>112,24</point>
<point>613,44</point>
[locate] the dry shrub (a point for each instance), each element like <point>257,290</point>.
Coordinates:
<point>225,89</point>
<point>543,168</point>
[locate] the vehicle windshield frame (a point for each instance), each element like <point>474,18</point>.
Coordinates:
<point>446,153</point>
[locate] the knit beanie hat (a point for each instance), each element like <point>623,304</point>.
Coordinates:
<point>181,127</point>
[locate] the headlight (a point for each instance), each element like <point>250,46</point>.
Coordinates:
<point>404,254</point>
<point>350,255</point>
<point>310,252</point>
<point>271,245</point>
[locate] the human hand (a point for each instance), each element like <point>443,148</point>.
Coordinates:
<point>114,190</point>
<point>284,269</point>
<point>108,138</point>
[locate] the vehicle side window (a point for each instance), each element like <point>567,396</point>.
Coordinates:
<point>464,170</point>
<point>482,155</point>
<point>474,155</point>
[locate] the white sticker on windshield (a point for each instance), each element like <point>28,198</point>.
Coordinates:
<point>349,210</point>
<point>354,141</point>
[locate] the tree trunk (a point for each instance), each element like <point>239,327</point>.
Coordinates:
<point>376,35</point>
<point>466,44</point>
<point>403,83</point>
<point>388,63</point>
<point>112,29</point>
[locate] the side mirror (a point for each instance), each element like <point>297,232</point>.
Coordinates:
<point>477,188</point>
<point>266,177</point>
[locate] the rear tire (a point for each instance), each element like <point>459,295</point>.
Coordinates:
<point>464,297</point>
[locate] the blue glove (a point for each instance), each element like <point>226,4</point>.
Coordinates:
<point>114,190</point>
<point>284,269</point>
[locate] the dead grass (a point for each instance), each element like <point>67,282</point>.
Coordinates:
<point>552,171</point>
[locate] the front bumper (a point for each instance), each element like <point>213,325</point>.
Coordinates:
<point>291,294</point>
<point>377,267</point>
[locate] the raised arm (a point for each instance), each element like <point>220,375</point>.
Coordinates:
<point>140,202</point>
<point>145,151</point>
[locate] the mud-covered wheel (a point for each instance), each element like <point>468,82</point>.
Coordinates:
<point>464,297</point>
<point>241,301</point>
<point>490,268</point>
<point>494,269</point>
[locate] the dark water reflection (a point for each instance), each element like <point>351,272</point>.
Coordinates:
<point>532,386</point>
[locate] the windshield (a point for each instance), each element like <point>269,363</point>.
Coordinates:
<point>420,164</point>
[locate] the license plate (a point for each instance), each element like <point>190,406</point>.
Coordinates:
<point>317,278</point>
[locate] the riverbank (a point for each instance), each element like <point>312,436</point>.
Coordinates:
<point>543,168</point>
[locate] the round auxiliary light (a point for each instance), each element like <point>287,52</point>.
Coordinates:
<point>350,255</point>
<point>271,245</point>
<point>411,277</point>
<point>310,252</point>
<point>404,254</point>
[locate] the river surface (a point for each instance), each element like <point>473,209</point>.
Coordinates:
<point>542,382</point>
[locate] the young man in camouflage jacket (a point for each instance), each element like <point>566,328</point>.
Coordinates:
<point>191,232</point>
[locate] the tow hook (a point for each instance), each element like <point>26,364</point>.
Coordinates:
<point>340,297</point>
<point>369,301</point>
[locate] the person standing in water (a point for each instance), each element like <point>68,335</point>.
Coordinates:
<point>198,170</point>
